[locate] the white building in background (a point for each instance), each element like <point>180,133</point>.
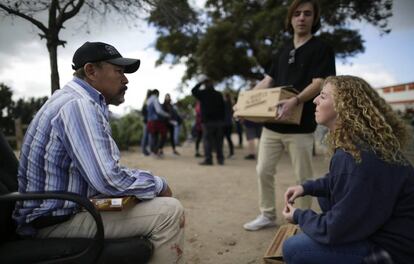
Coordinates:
<point>400,97</point>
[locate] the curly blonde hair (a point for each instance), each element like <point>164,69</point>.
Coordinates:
<point>365,120</point>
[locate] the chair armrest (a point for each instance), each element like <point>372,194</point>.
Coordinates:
<point>98,239</point>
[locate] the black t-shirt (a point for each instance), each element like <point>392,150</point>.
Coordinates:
<point>314,59</point>
<point>211,102</point>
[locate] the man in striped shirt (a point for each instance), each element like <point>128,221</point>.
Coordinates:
<point>68,147</point>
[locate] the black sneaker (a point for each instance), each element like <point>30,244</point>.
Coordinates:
<point>250,157</point>
<point>198,155</point>
<point>206,162</point>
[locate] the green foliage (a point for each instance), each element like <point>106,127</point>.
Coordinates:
<point>172,14</point>
<point>25,109</point>
<point>232,40</point>
<point>127,130</point>
<point>6,110</point>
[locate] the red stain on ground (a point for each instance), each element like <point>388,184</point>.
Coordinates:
<point>178,250</point>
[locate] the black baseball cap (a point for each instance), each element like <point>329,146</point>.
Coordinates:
<point>99,51</point>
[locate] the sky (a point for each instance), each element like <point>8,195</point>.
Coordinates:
<point>24,60</point>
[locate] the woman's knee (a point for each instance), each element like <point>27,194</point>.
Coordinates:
<point>288,248</point>
<point>294,245</point>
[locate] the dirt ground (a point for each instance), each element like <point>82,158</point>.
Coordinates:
<point>218,200</point>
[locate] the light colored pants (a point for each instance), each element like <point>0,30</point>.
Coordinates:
<point>271,148</point>
<point>160,219</point>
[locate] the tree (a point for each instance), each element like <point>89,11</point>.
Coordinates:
<point>10,110</point>
<point>60,11</point>
<point>26,109</point>
<point>6,110</point>
<point>233,40</point>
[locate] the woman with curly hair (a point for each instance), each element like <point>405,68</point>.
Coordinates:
<point>367,197</point>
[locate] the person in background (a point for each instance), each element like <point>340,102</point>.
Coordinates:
<point>177,128</point>
<point>212,120</point>
<point>228,122</point>
<point>145,135</point>
<point>156,125</point>
<point>172,121</point>
<point>239,128</point>
<point>253,131</point>
<point>197,129</point>
<point>303,62</point>
<point>367,197</point>
<point>68,147</point>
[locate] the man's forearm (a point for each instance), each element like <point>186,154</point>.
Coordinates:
<point>266,82</point>
<point>196,89</point>
<point>312,90</point>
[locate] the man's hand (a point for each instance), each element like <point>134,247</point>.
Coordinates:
<point>235,108</point>
<point>288,212</point>
<point>292,193</point>
<point>166,192</point>
<point>285,108</point>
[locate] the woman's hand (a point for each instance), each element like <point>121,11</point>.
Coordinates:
<point>292,193</point>
<point>288,212</point>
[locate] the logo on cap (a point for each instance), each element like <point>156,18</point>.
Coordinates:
<point>111,50</point>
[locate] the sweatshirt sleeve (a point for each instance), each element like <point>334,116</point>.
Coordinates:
<point>353,215</point>
<point>318,187</point>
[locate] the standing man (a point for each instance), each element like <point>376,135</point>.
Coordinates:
<point>303,62</point>
<point>68,147</point>
<point>212,120</point>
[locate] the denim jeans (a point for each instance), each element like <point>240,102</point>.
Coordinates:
<point>304,250</point>
<point>145,139</point>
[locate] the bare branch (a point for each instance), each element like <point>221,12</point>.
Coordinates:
<point>68,15</point>
<point>35,22</point>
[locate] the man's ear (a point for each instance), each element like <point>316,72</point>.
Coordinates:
<point>90,71</point>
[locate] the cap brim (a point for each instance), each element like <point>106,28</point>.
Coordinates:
<point>130,65</point>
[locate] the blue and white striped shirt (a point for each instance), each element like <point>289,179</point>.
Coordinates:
<point>68,147</point>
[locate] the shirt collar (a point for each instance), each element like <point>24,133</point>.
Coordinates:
<point>94,94</point>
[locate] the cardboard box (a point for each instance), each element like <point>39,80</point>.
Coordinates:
<point>273,254</point>
<point>260,105</point>
<point>113,203</point>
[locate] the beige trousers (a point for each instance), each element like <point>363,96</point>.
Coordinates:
<point>160,219</point>
<point>271,148</point>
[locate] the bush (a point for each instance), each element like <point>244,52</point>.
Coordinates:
<point>127,130</point>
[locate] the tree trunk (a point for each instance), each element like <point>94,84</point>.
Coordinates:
<point>54,73</point>
<point>52,42</point>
